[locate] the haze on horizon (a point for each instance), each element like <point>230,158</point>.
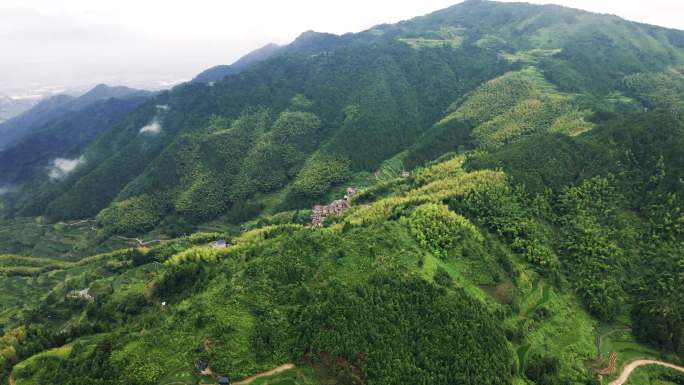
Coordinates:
<point>154,43</point>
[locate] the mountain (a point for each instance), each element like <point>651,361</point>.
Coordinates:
<point>410,90</point>
<point>488,194</point>
<point>54,107</point>
<point>104,92</point>
<point>10,107</point>
<point>62,137</point>
<point>221,71</point>
<point>309,42</point>
<point>14,128</point>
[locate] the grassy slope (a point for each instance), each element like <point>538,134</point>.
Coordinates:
<point>219,311</point>
<point>163,344</point>
<point>540,316</point>
<point>32,236</point>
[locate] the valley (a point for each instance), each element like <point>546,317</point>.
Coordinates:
<point>489,194</point>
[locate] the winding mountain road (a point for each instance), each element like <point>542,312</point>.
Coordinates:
<point>271,372</point>
<point>627,371</point>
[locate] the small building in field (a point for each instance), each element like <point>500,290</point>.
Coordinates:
<point>220,244</point>
<point>222,380</point>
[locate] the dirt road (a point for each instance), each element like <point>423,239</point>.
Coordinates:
<point>271,372</point>
<point>627,371</point>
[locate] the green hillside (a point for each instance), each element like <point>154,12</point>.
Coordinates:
<point>516,217</point>
<point>467,261</point>
<point>419,86</point>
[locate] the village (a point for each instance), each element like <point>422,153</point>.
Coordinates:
<point>337,207</point>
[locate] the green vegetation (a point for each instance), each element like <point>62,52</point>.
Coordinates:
<point>446,36</point>
<point>62,240</point>
<point>655,375</point>
<point>437,229</point>
<point>17,265</point>
<point>516,105</point>
<point>539,229</point>
<point>319,174</point>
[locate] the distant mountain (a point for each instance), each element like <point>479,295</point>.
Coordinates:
<point>307,42</point>
<point>220,71</point>
<point>45,111</point>
<point>402,93</point>
<point>312,42</point>
<point>21,125</point>
<point>10,107</point>
<point>103,92</point>
<point>62,137</point>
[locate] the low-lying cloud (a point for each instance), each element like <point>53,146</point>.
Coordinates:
<point>153,128</point>
<point>62,167</point>
<point>7,189</point>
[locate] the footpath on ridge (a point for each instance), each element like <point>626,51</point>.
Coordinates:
<point>629,368</point>
<point>271,372</point>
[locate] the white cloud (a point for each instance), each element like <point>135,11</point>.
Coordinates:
<point>7,189</point>
<point>62,167</point>
<point>153,128</point>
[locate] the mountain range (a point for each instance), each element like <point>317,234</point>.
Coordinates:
<point>55,107</point>
<point>10,107</point>
<point>59,126</point>
<point>415,73</point>
<point>496,194</point>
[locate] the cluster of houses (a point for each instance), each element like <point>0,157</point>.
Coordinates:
<point>337,207</point>
<point>81,294</point>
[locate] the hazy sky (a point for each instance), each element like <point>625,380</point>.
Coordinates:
<point>82,42</point>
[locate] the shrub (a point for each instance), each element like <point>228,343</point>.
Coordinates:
<point>438,229</point>
<point>443,278</point>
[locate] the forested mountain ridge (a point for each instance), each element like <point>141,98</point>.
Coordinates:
<point>517,217</point>
<point>55,107</point>
<point>376,94</point>
<point>501,283</point>
<point>11,107</point>
<point>62,137</point>
<point>221,71</point>
<point>14,128</point>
